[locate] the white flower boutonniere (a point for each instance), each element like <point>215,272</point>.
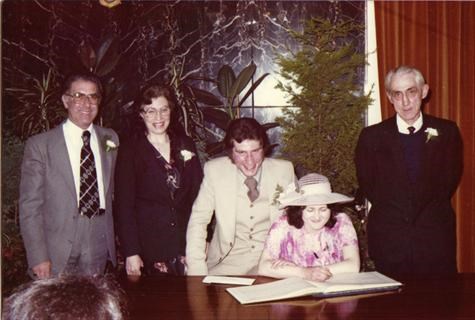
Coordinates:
<point>431,134</point>
<point>186,155</point>
<point>109,144</point>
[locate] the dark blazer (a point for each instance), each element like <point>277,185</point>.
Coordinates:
<point>411,226</point>
<point>150,222</point>
<point>48,201</point>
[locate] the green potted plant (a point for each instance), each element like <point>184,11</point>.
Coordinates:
<point>320,134</point>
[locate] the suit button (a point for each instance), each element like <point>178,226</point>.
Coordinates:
<point>172,224</point>
<point>251,217</point>
<point>406,219</point>
<point>251,205</point>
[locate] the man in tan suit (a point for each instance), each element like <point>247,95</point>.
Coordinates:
<point>240,190</point>
<point>66,189</point>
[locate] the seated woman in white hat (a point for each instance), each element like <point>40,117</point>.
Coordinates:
<point>311,240</point>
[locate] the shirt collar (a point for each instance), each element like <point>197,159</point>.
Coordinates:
<point>75,130</point>
<point>402,125</point>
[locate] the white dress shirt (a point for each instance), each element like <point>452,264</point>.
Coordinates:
<point>402,126</point>
<point>73,138</point>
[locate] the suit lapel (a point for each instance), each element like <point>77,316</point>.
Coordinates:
<point>229,182</point>
<point>175,149</point>
<point>106,158</point>
<point>157,170</point>
<point>268,188</point>
<point>266,181</point>
<point>59,150</point>
<point>429,153</point>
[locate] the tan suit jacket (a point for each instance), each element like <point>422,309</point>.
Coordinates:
<point>218,194</point>
<point>48,200</point>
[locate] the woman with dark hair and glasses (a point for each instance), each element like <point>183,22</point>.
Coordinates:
<point>312,240</point>
<point>157,178</point>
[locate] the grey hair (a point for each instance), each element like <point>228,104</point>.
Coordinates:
<point>403,70</point>
<point>67,297</point>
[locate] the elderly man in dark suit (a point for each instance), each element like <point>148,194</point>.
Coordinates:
<point>408,167</point>
<point>66,189</point>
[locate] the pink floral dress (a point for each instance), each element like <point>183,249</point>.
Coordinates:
<point>285,242</point>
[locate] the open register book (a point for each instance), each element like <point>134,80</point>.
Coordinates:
<point>339,284</point>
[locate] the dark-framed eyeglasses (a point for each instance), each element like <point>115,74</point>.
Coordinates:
<point>81,97</point>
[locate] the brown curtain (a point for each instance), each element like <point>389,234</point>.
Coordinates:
<point>438,37</point>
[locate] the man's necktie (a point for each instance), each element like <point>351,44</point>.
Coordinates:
<point>89,191</point>
<point>251,184</point>
<point>411,129</point>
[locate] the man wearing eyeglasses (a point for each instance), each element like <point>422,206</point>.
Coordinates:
<point>240,189</point>
<point>66,189</point>
<point>408,167</point>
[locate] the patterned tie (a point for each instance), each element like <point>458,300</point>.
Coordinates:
<point>411,129</point>
<point>251,184</point>
<point>89,192</point>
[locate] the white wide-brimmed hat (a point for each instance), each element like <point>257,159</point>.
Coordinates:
<point>312,189</point>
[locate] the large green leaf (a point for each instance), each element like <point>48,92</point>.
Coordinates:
<point>252,88</point>
<point>242,80</point>
<point>205,97</point>
<point>226,79</point>
<point>107,56</point>
<point>216,116</point>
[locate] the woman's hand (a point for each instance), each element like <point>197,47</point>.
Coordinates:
<point>317,273</point>
<point>133,265</point>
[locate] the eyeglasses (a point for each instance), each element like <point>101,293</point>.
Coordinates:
<point>152,113</point>
<point>81,97</point>
<point>410,93</point>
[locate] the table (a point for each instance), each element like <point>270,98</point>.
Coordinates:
<point>183,298</point>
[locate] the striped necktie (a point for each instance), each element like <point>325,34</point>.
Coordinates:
<point>89,191</point>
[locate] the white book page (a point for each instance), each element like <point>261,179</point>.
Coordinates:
<point>281,289</point>
<point>363,280</point>
<point>297,287</point>
<point>228,280</point>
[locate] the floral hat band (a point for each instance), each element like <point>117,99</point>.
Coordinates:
<point>312,189</point>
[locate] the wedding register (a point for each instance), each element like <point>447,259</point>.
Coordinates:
<point>337,285</point>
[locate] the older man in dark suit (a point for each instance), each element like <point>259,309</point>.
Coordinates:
<point>66,189</point>
<point>408,167</point>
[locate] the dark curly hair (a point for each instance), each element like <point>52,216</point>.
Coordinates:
<point>294,215</point>
<point>245,129</point>
<point>146,96</point>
